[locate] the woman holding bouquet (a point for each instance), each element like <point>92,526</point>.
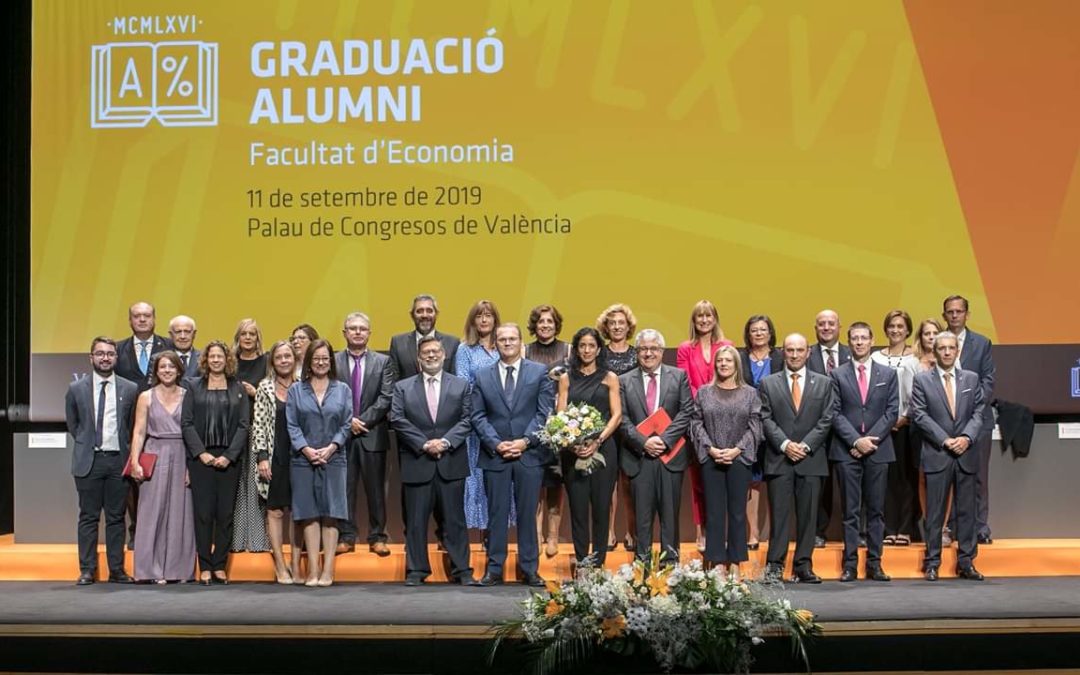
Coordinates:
<point>590,467</point>
<point>726,432</point>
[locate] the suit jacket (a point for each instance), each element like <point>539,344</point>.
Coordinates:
<point>675,398</point>
<point>193,418</point>
<point>776,363</point>
<point>127,361</point>
<point>930,412</point>
<point>81,418</point>
<point>978,357</point>
<point>412,423</point>
<point>403,353</point>
<point>496,419</point>
<point>815,363</point>
<point>810,425</point>
<point>376,392</point>
<point>192,369</point>
<point>877,416</point>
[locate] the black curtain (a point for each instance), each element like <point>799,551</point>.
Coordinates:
<point>15,234</point>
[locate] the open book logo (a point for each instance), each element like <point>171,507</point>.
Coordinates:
<point>175,83</point>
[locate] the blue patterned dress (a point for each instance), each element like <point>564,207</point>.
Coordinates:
<point>470,360</point>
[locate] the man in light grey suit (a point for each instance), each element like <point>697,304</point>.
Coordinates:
<point>655,484</point>
<point>371,377</point>
<point>182,332</point>
<point>867,404</point>
<point>947,406</point>
<point>98,411</point>
<point>796,414</point>
<point>974,353</point>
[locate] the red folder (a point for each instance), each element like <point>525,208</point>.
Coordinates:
<point>147,460</point>
<point>655,425</point>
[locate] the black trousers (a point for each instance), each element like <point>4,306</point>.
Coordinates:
<point>368,468</point>
<point>657,492</point>
<point>725,487</point>
<point>103,489</point>
<point>863,484</point>
<point>806,491</point>
<point>589,497</point>
<point>213,498</point>
<point>902,491</point>
<point>981,446</point>
<point>421,500</point>
<point>964,507</point>
<point>825,503</point>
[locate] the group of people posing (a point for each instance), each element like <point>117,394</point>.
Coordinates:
<point>237,447</point>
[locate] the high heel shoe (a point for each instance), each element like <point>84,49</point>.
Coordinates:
<point>325,582</point>
<point>285,578</point>
<point>204,579</point>
<point>221,579</point>
<point>312,583</point>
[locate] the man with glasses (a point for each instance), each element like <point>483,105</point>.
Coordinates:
<point>98,412</point>
<point>655,464</point>
<point>371,377</point>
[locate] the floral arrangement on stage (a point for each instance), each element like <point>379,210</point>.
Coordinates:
<point>579,423</point>
<point>679,615</point>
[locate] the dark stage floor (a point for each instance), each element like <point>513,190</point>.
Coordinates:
<point>443,605</point>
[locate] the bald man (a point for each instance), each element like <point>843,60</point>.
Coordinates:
<point>796,414</point>
<point>134,354</point>
<point>826,356</point>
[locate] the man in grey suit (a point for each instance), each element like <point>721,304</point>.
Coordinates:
<point>825,356</point>
<point>796,414</point>
<point>430,414</point>
<point>975,355</point>
<point>655,483</point>
<point>866,406</point>
<point>182,333</point>
<point>98,411</point>
<point>403,347</point>
<point>371,377</point>
<point>947,406</point>
<point>511,401</point>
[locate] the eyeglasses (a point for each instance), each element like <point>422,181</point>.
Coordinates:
<point>650,350</point>
<point>320,359</point>
<point>104,355</point>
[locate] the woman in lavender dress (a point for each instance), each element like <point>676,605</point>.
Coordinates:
<point>165,534</point>
<point>477,351</point>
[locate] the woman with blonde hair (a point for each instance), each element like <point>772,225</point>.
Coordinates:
<point>249,521</point>
<point>616,324</point>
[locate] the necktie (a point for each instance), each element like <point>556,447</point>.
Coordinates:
<point>144,357</point>
<point>796,392</point>
<point>864,386</point>
<point>950,396</point>
<point>184,360</point>
<point>432,398</point>
<point>508,386</point>
<point>831,363</point>
<point>99,426</point>
<point>357,383</point>
<point>650,394</point>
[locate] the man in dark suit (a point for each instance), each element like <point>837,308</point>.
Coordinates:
<point>511,402</point>
<point>403,347</point>
<point>430,414</point>
<point>182,335</point>
<point>947,406</point>
<point>976,355</point>
<point>371,377</point>
<point>134,354</point>
<point>825,356</point>
<point>655,471</point>
<point>796,415</point>
<point>867,404</point>
<point>98,411</point>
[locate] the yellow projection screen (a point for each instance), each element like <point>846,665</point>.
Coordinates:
<point>294,161</point>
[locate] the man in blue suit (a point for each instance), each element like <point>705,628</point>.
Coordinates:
<point>511,402</point>
<point>867,404</point>
<point>947,406</point>
<point>974,353</point>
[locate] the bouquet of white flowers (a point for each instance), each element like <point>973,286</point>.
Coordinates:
<point>679,615</point>
<point>577,425</point>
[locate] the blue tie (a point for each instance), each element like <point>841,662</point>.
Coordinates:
<point>99,426</point>
<point>144,357</point>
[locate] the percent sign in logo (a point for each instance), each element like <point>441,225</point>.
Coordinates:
<point>170,65</point>
<point>175,83</point>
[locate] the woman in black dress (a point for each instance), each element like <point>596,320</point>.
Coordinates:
<point>249,520</point>
<point>545,324</point>
<point>617,324</point>
<point>272,451</point>
<point>214,422</point>
<point>589,381</point>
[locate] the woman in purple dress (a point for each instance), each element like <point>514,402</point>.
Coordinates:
<point>165,534</point>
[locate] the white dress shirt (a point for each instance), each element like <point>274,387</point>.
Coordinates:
<point>503,368</point>
<point>110,436</point>
<point>645,385</point>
